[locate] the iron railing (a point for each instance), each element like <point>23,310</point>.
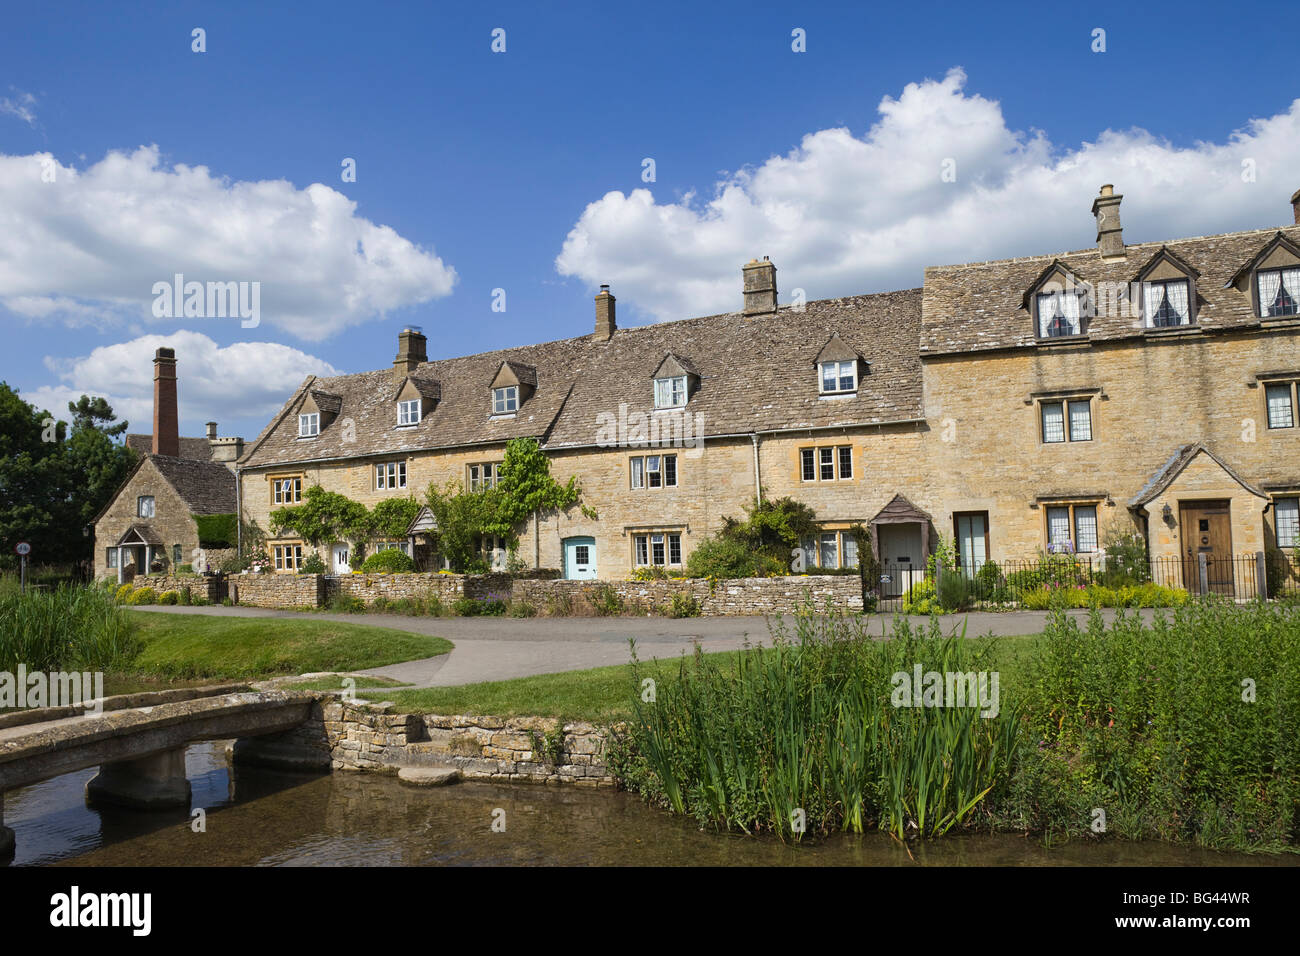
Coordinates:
<point>1270,575</point>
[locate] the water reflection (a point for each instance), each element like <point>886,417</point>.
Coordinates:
<point>261,817</point>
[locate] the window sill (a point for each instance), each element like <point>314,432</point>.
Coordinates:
<point>1081,338</point>
<point>669,408</point>
<point>307,437</point>
<point>834,395</point>
<point>503,417</point>
<point>1155,331</point>
<point>404,428</point>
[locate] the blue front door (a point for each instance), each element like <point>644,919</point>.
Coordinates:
<point>580,558</point>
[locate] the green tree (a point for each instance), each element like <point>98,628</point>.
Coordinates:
<point>391,517</point>
<point>323,517</point>
<point>54,481</point>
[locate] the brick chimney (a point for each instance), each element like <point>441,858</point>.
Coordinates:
<point>605,323</point>
<point>410,351</point>
<point>1110,235</point>
<point>166,423</point>
<point>1295,205</point>
<point>759,286</point>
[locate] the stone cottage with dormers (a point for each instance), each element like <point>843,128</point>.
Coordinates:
<point>150,521</point>
<point>1014,406</point>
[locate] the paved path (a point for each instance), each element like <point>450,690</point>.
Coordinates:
<point>499,648</point>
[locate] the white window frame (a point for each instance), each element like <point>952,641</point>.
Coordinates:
<point>671,392</point>
<point>1292,539</point>
<point>1268,404</point>
<point>111,557</point>
<point>840,541</point>
<point>140,506</point>
<point>643,476</point>
<point>390,475</point>
<point>505,400</point>
<point>309,424</point>
<point>288,557</point>
<point>484,475</point>
<point>838,371</point>
<point>286,491</point>
<point>408,412</point>
<point>644,549</point>
<point>836,464</point>
<point>1074,322</point>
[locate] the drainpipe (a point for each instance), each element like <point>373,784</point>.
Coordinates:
<point>537,541</point>
<point>239,513</point>
<point>758,481</point>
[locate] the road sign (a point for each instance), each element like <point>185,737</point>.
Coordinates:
<point>23,548</point>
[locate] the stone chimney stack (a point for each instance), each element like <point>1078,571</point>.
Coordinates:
<point>211,430</point>
<point>166,419</point>
<point>1110,235</point>
<point>605,322</point>
<point>759,287</point>
<point>1295,205</point>
<point>410,351</point>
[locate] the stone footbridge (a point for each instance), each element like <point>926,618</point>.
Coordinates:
<point>138,741</point>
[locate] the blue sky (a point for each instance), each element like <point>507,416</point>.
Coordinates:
<point>523,170</point>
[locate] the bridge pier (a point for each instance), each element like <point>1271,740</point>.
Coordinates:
<point>6,834</point>
<point>149,783</point>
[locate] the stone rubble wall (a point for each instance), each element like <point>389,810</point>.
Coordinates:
<point>199,587</point>
<point>739,596</point>
<point>364,736</point>
<point>276,590</point>
<point>736,596</point>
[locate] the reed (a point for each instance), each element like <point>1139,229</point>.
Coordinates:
<point>70,628</point>
<point>809,725</point>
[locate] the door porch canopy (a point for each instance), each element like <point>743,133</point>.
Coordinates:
<point>901,511</point>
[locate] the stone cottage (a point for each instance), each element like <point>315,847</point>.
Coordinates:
<point>1013,406</point>
<point>151,521</point>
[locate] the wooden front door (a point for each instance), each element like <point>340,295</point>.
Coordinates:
<point>1207,529</point>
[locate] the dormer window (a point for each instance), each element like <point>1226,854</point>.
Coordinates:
<point>670,392</point>
<point>1279,292</point>
<point>309,425</point>
<point>408,412</point>
<point>1166,303</point>
<point>505,400</point>
<point>1058,314</point>
<point>839,377</point>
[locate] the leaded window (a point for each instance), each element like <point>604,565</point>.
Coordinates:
<point>1167,303</point>
<point>1279,291</point>
<point>1058,314</point>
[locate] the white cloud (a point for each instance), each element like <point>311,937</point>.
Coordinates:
<point>843,214</point>
<point>94,242</point>
<point>19,105</point>
<point>244,381</point>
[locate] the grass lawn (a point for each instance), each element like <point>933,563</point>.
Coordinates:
<point>185,647</point>
<point>603,694</point>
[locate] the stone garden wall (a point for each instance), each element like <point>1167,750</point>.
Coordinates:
<point>199,587</point>
<point>395,587</point>
<point>276,590</point>
<point>737,596</point>
<point>363,736</point>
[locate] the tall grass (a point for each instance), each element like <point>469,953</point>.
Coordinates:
<point>70,628</point>
<point>1185,729</point>
<point>808,725</point>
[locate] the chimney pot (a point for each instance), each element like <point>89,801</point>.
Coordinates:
<point>759,286</point>
<point>166,418</point>
<point>606,322</point>
<point>1110,234</point>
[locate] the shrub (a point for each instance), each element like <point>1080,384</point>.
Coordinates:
<point>954,591</point>
<point>184,569</point>
<point>653,572</point>
<point>921,599</point>
<point>217,531</point>
<point>684,605</point>
<point>186,597</point>
<point>388,561</point>
<point>342,603</point>
<point>729,558</point>
<point>607,601</point>
<point>358,558</point>
<point>312,564</point>
<point>123,595</point>
<point>1126,560</point>
<point>169,597</point>
<point>144,595</point>
<point>522,609</point>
